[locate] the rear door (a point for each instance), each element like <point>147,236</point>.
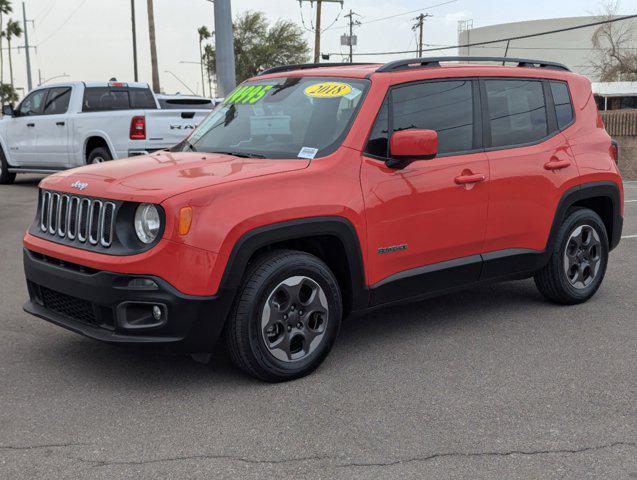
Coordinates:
<point>54,128</point>
<point>530,161</point>
<point>22,131</point>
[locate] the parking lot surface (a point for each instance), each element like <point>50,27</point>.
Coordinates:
<point>493,382</point>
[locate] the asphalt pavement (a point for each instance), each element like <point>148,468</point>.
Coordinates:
<point>490,383</point>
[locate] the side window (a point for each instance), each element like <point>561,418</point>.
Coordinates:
<point>446,107</point>
<point>562,101</point>
<point>378,142</point>
<point>517,112</point>
<point>99,99</point>
<point>32,104</point>
<point>57,101</point>
<point>142,98</point>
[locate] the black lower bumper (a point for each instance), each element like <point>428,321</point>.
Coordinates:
<point>118,308</point>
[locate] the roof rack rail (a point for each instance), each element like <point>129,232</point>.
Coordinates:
<point>435,62</point>
<point>305,66</point>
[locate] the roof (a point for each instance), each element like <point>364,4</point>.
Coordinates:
<point>615,89</point>
<point>91,84</point>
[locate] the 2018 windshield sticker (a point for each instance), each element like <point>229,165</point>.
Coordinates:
<point>247,94</point>
<point>308,152</point>
<point>328,90</point>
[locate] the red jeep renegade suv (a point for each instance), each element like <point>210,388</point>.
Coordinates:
<point>316,191</point>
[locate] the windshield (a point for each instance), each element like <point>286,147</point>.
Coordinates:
<point>295,117</point>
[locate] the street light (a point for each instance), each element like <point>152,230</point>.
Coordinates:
<point>64,75</point>
<point>180,81</point>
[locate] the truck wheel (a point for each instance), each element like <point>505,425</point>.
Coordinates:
<point>578,261</point>
<point>286,316</point>
<point>99,155</point>
<point>6,177</point>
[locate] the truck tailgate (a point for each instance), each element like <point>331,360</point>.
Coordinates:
<point>165,128</point>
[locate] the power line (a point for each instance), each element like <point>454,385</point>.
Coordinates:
<point>508,39</point>
<point>380,19</point>
<point>64,22</point>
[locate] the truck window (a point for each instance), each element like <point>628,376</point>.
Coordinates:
<point>32,104</point>
<point>142,98</point>
<point>57,102</point>
<point>99,99</point>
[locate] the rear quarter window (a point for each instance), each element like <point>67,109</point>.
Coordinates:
<point>563,105</point>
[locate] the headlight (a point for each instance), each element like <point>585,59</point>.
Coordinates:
<point>147,222</point>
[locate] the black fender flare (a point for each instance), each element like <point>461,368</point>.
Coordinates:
<point>338,227</point>
<point>585,191</point>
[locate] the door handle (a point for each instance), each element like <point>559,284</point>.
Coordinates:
<point>30,124</point>
<point>60,124</point>
<point>471,178</point>
<point>557,164</point>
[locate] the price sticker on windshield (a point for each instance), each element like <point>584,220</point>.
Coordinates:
<point>328,90</point>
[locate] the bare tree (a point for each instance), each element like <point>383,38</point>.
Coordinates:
<point>616,58</point>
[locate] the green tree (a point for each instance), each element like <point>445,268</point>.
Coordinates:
<point>5,9</point>
<point>13,30</point>
<point>208,61</point>
<point>204,34</point>
<point>8,95</point>
<point>258,46</point>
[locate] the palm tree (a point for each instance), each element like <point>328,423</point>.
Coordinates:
<point>5,9</point>
<point>13,30</point>
<point>208,60</point>
<point>153,46</point>
<point>204,34</point>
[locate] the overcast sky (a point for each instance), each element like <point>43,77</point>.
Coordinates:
<point>91,39</point>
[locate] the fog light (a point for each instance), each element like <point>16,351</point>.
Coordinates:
<point>142,284</point>
<point>157,313</point>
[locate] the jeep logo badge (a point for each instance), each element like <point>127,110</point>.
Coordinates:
<point>79,185</point>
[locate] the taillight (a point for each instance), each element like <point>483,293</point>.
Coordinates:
<point>614,151</point>
<point>600,120</point>
<point>138,128</point>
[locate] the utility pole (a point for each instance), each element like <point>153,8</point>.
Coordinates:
<point>153,46</point>
<point>420,23</point>
<point>317,27</point>
<point>351,40</point>
<point>224,44</point>
<point>132,9</point>
<point>26,47</point>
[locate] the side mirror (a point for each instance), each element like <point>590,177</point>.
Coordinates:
<point>7,110</point>
<point>407,146</point>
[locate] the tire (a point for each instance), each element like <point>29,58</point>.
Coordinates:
<point>578,260</point>
<point>286,316</point>
<point>6,178</point>
<point>99,155</point>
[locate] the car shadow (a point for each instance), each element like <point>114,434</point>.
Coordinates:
<point>95,362</point>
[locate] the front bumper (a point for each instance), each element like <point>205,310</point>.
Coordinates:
<point>105,306</point>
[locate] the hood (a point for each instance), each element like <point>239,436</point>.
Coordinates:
<point>154,178</point>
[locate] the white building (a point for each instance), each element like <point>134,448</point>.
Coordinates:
<point>573,48</point>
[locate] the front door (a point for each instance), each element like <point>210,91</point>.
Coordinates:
<point>22,130</point>
<point>426,223</point>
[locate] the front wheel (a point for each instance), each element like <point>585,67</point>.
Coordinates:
<point>286,318</point>
<point>578,261</point>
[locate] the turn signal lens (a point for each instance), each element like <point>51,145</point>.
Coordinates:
<point>185,219</point>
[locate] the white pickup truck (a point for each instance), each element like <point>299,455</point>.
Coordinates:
<point>67,125</point>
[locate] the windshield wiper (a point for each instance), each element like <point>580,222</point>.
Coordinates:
<point>241,154</point>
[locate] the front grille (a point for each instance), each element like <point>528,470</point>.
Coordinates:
<point>67,305</point>
<point>83,220</point>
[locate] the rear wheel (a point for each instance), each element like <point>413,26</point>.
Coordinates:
<point>578,262</point>
<point>99,155</point>
<point>286,318</point>
<point>6,177</point>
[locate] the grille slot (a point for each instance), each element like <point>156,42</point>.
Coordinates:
<point>79,219</point>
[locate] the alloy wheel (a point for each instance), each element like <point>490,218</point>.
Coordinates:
<point>582,256</point>
<point>294,319</point>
